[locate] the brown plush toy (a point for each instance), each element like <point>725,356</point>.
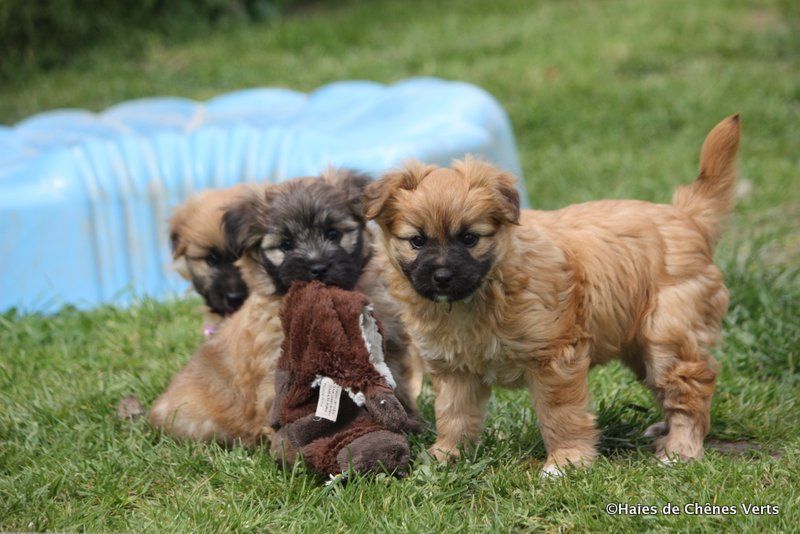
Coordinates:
<point>334,400</point>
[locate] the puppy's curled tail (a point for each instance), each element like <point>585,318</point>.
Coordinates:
<point>709,199</point>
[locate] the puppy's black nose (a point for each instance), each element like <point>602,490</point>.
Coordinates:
<point>234,299</point>
<point>442,275</point>
<point>318,269</point>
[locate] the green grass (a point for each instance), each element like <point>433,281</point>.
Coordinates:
<point>608,98</point>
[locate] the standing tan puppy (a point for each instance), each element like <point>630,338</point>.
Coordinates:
<point>495,296</point>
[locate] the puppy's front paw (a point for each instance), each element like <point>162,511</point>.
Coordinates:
<point>668,461</point>
<point>671,449</point>
<point>442,452</point>
<point>559,461</point>
<point>551,471</point>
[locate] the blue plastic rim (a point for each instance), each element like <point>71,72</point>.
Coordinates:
<point>85,198</point>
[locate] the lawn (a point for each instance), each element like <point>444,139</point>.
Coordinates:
<point>608,98</point>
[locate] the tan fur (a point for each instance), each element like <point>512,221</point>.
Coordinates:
<point>226,390</point>
<point>196,228</point>
<point>567,289</point>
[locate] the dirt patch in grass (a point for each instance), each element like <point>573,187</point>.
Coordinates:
<point>740,447</point>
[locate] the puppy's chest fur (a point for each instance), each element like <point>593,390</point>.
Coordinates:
<point>508,326</point>
<point>459,343</point>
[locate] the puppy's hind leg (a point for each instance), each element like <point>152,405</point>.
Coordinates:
<point>181,413</point>
<point>682,375</point>
<point>635,361</point>
<point>560,393</point>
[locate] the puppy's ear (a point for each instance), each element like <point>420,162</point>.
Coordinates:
<point>181,266</point>
<point>177,241</point>
<point>177,244</point>
<point>176,224</point>
<point>508,196</point>
<point>353,184</point>
<point>243,220</point>
<point>377,194</point>
<point>502,184</point>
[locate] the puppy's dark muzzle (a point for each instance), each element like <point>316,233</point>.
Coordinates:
<point>234,300</point>
<point>318,270</point>
<point>446,285</point>
<point>442,277</point>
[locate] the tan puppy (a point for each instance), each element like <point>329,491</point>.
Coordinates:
<point>493,296</point>
<point>312,228</point>
<point>202,254</point>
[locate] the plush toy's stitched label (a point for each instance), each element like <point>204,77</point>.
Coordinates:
<point>328,404</point>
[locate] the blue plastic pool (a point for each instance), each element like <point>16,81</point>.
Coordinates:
<point>84,197</point>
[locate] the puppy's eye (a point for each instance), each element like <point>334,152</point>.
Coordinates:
<point>469,239</point>
<point>333,235</point>
<point>418,241</point>
<point>213,259</point>
<point>286,245</point>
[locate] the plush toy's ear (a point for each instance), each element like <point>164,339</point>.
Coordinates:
<point>378,194</point>
<point>243,221</point>
<point>352,184</point>
<point>372,335</point>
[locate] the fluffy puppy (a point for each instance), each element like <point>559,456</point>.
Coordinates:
<point>304,229</point>
<point>201,253</point>
<point>495,296</point>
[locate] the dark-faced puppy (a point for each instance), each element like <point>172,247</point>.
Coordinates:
<point>444,258</point>
<point>304,229</point>
<point>314,229</point>
<point>310,228</point>
<point>535,298</point>
<point>202,254</point>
